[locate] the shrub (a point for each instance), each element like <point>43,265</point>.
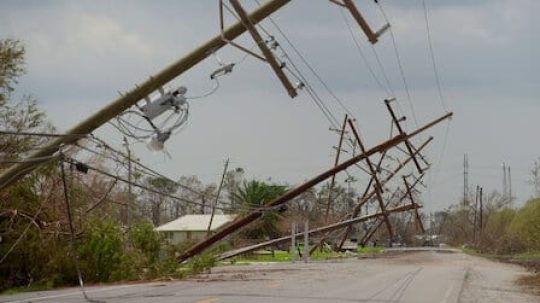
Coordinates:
<point>144,238</point>
<point>101,250</point>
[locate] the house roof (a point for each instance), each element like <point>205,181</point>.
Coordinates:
<point>196,223</point>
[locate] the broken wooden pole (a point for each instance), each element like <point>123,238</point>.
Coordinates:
<point>417,215</point>
<point>378,187</point>
<point>319,230</point>
<point>295,192</point>
<point>358,206</point>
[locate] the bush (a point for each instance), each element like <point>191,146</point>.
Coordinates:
<point>144,238</point>
<point>101,250</point>
<point>526,224</point>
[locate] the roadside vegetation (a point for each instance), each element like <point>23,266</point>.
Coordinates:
<point>506,233</point>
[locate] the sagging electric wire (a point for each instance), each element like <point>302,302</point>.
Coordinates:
<point>432,55</point>
<point>306,63</point>
<point>146,188</point>
<point>148,170</point>
<point>388,88</point>
<point>400,65</point>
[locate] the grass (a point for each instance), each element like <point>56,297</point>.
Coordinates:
<point>285,256</point>
<point>370,250</point>
<point>32,287</point>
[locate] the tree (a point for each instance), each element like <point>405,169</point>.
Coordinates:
<point>535,177</point>
<point>11,67</point>
<point>158,202</point>
<point>28,204</point>
<point>254,194</point>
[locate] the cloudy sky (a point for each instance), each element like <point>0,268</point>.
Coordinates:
<point>81,54</point>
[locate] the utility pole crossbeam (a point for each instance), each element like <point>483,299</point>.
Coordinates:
<point>373,171</point>
<point>138,93</point>
<point>409,189</point>
<point>373,37</point>
<point>400,130</point>
<point>246,21</point>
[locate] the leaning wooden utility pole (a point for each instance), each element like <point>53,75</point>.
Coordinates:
<point>277,67</point>
<point>356,209</point>
<point>319,230</point>
<point>336,162</point>
<point>409,189</point>
<point>217,198</point>
<point>138,93</point>
<point>295,192</point>
<point>378,187</point>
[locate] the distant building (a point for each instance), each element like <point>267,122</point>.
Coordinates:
<point>192,227</point>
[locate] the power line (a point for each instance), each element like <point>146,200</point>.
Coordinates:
<point>432,53</point>
<point>148,169</point>
<point>400,65</point>
<point>146,188</point>
<point>388,89</point>
<point>308,65</point>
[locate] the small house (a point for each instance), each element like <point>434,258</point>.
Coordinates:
<point>192,227</point>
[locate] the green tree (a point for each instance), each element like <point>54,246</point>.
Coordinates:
<point>526,224</point>
<point>254,194</point>
<point>25,250</point>
<point>101,249</point>
<point>144,238</point>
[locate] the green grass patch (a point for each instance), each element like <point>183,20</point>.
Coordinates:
<point>32,287</point>
<point>285,256</point>
<point>370,250</point>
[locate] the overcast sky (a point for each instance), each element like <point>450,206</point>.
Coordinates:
<point>80,54</point>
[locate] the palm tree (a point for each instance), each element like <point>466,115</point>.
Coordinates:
<point>255,194</point>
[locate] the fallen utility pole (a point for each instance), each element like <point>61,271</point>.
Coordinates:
<point>369,194</point>
<point>373,171</point>
<point>409,193</point>
<point>138,93</point>
<point>295,192</point>
<point>366,191</point>
<point>377,224</point>
<point>400,130</point>
<point>319,230</point>
<point>358,206</point>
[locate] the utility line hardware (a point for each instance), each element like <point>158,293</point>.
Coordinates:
<point>172,100</point>
<point>264,46</point>
<point>373,37</point>
<point>397,121</point>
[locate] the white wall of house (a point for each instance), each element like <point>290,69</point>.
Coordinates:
<point>176,237</point>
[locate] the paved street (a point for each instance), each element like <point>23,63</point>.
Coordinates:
<point>424,276</point>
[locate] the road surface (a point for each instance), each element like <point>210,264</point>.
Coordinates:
<point>423,276</point>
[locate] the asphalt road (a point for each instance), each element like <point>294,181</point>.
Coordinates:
<point>423,276</point>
